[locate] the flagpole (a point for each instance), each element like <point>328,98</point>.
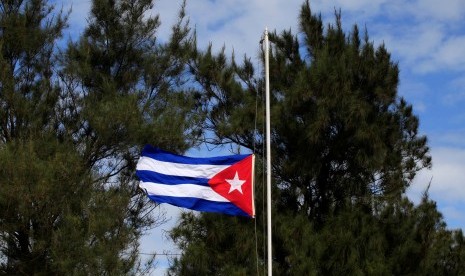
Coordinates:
<point>268,152</point>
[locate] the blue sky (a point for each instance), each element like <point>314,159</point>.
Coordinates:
<point>425,37</point>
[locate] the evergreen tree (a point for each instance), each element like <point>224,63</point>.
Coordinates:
<point>31,190</point>
<point>126,89</point>
<point>71,129</point>
<point>345,147</point>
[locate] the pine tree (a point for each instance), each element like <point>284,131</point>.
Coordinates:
<point>127,89</point>
<point>72,125</point>
<point>345,148</point>
<point>30,187</point>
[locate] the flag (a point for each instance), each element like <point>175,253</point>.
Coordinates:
<point>222,184</point>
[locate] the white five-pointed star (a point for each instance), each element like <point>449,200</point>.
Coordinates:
<point>236,183</point>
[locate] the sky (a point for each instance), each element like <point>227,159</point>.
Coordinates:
<point>425,37</point>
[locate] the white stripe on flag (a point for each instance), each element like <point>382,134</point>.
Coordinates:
<point>177,169</point>
<point>184,190</point>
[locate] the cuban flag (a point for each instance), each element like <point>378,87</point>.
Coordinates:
<point>222,184</point>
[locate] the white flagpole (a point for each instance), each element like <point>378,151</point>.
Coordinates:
<point>268,152</point>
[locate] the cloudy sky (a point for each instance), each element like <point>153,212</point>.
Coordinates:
<point>426,38</point>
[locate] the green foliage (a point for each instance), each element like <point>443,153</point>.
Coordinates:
<point>28,94</point>
<point>228,243</point>
<point>71,127</point>
<point>345,147</point>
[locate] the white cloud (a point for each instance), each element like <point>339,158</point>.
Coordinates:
<point>427,35</point>
<point>452,53</point>
<point>445,10</point>
<point>422,48</point>
<point>444,53</point>
<point>240,24</point>
<point>449,173</point>
<point>447,182</point>
<point>421,44</point>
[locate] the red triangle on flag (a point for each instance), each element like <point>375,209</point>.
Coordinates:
<point>235,183</point>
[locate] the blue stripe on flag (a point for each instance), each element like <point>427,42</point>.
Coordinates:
<point>151,176</point>
<point>200,204</point>
<point>165,156</point>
